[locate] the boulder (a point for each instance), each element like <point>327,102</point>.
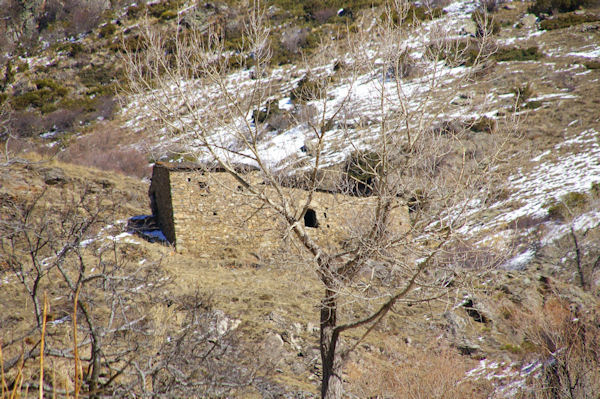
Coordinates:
<point>528,21</point>
<point>53,176</point>
<point>469,28</point>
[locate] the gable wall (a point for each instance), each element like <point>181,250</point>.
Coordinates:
<point>160,201</point>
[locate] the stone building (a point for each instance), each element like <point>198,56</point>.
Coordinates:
<point>209,212</point>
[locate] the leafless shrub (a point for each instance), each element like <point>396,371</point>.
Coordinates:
<point>564,80</point>
<point>471,257</point>
<point>305,113</point>
<point>17,146</point>
<point>101,150</point>
<point>124,346</point>
<point>586,258</point>
<point>53,10</point>
<point>25,124</point>
<point>278,121</point>
<point>490,5</point>
<point>49,256</point>
<point>201,358</point>
<point>526,222</point>
<point>566,340</point>
<point>431,4</point>
<point>234,28</point>
<point>324,14</point>
<point>62,119</point>
<point>105,107</point>
<point>417,373</point>
<point>295,39</point>
<point>403,66</point>
<point>84,15</point>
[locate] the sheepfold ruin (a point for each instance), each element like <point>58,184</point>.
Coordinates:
<point>207,211</point>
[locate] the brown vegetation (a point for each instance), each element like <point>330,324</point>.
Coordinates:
<point>411,161</point>
<point>407,372</point>
<point>565,341</point>
<point>105,149</point>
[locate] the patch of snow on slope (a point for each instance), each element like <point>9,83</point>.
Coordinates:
<point>360,97</point>
<point>580,224</point>
<point>508,378</point>
<point>574,170</point>
<point>595,53</point>
<point>548,96</point>
<point>520,261</point>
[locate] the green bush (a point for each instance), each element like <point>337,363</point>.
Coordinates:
<point>308,9</point>
<point>46,93</point>
<point>568,203</point>
<point>96,75</point>
<point>8,76</point>
<point>72,49</point>
<point>107,30</point>
<point>82,103</point>
<point>419,13</point>
<point>559,6</point>
<point>361,169</point>
<point>168,15</point>
<point>518,54</point>
<point>483,124</point>
<point>28,99</point>
<point>22,67</point>
<point>308,89</point>
<point>158,9</point>
<point>132,43</point>
<point>413,14</point>
<point>566,20</point>
<point>592,64</point>
<point>51,84</point>
<point>135,11</point>
<point>102,90</point>
<point>595,189</point>
<point>485,23</point>
<point>522,94</point>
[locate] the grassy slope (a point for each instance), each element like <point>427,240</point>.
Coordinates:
<point>286,305</point>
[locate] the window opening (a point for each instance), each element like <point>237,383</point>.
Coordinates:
<point>310,218</point>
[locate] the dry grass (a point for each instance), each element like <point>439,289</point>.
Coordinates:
<point>403,371</point>
<point>566,339</point>
<point>106,148</point>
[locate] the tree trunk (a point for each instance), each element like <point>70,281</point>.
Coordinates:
<point>95,373</point>
<point>331,382</point>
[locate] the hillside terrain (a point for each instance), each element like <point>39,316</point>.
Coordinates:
<point>518,80</point>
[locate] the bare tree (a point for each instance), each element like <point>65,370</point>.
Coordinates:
<point>400,139</point>
<point>50,254</point>
<point>63,251</point>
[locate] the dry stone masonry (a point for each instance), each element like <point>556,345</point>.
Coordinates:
<point>209,212</point>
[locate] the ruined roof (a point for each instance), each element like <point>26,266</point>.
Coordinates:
<point>206,166</point>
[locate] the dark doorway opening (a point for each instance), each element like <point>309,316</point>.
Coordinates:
<point>310,218</point>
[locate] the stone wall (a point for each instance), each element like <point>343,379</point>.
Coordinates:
<point>213,215</point>
<point>160,201</point>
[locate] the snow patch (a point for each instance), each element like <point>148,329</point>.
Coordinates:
<point>520,261</point>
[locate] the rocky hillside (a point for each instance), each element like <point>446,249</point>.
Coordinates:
<point>74,170</point>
